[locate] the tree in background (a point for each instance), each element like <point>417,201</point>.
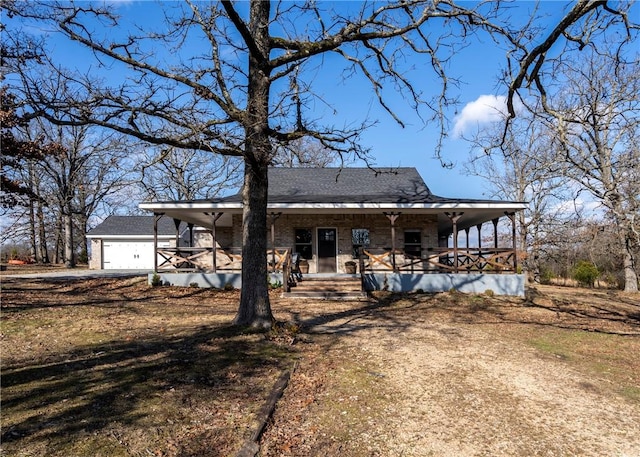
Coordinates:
<point>594,114</point>
<point>518,165</point>
<point>187,174</point>
<point>251,84</point>
<point>17,154</point>
<point>306,152</point>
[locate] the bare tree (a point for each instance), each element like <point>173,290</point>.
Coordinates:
<point>595,117</point>
<point>519,165</point>
<point>305,152</point>
<point>187,174</point>
<point>252,86</point>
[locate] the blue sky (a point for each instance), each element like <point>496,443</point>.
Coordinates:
<point>477,67</point>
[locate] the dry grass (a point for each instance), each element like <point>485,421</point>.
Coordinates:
<point>113,367</point>
<point>110,367</point>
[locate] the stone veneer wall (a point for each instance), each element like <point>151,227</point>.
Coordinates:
<point>95,259</point>
<point>378,225</point>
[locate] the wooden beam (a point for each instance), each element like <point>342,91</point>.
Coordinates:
<point>393,216</point>
<point>495,232</point>
<point>177,222</point>
<point>190,225</point>
<point>156,218</point>
<point>214,217</point>
<point>455,217</point>
<point>514,245</point>
<point>274,217</point>
<point>479,227</point>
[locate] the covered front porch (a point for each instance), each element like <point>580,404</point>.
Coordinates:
<point>392,250</point>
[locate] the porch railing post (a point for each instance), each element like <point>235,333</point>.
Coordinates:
<point>392,218</point>
<point>156,218</point>
<point>274,217</point>
<point>514,245</point>
<point>214,218</point>
<point>455,217</point>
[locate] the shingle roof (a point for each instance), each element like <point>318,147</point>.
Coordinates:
<point>348,185</point>
<point>134,226</point>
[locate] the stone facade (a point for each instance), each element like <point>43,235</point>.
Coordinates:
<point>378,225</point>
<point>95,259</point>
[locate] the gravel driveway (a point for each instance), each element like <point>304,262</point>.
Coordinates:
<point>421,385</point>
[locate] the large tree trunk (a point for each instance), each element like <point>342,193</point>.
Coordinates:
<point>255,308</point>
<point>35,254</point>
<point>84,248</point>
<point>630,275</point>
<point>69,254</point>
<point>44,250</point>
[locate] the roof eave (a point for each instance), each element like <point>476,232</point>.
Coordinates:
<point>337,206</point>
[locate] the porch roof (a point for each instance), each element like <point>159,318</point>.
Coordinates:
<point>343,191</point>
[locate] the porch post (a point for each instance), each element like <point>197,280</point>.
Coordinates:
<point>214,217</point>
<point>274,216</point>
<point>455,217</point>
<point>176,222</point>
<point>479,227</point>
<point>495,232</point>
<point>156,218</point>
<point>514,245</point>
<point>392,218</point>
<point>190,225</point>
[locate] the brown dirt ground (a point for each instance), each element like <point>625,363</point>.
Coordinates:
<point>398,375</point>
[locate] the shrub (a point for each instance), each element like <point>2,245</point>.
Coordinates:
<point>586,273</point>
<point>546,275</point>
<point>156,280</point>
<point>194,285</point>
<point>228,286</point>
<point>489,293</point>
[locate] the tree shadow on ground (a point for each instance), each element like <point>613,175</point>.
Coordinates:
<point>129,382</point>
<point>396,312</point>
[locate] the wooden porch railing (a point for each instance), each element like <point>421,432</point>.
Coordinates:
<point>201,259</point>
<point>434,260</point>
<point>439,260</point>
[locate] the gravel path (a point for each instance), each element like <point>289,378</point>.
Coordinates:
<point>450,389</point>
<point>460,392</point>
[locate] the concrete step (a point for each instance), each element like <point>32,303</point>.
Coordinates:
<point>336,286</point>
<point>327,295</point>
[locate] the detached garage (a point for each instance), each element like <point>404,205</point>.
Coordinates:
<point>126,242</point>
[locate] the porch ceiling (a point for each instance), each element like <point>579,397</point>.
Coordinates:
<point>474,213</point>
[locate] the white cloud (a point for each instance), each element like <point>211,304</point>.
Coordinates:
<point>484,110</point>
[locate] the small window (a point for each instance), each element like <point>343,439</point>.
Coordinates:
<point>412,243</point>
<point>359,241</point>
<point>304,243</point>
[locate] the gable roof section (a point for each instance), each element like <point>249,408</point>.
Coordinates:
<point>353,185</point>
<point>134,227</point>
<point>349,185</point>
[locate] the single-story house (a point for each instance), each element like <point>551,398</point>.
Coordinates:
<point>127,242</point>
<point>398,233</point>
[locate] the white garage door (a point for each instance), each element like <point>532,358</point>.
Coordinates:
<point>127,255</point>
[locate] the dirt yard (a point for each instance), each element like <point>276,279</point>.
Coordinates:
<point>113,367</point>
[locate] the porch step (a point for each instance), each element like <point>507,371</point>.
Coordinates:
<point>330,287</point>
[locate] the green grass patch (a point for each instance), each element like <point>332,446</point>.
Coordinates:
<point>598,355</point>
